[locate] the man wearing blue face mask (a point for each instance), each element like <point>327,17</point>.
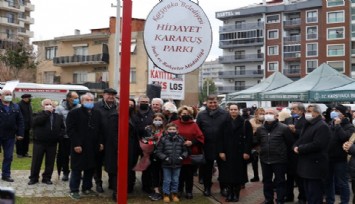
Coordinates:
<point>71,102</point>
<point>341,129</point>
<point>11,125</point>
<point>84,129</point>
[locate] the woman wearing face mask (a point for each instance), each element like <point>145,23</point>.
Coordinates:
<point>148,144</point>
<point>256,122</point>
<point>194,140</point>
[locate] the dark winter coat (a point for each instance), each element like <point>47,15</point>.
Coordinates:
<point>340,134</point>
<point>313,150</point>
<point>11,122</point>
<point>26,110</point>
<point>169,150</point>
<point>105,112</point>
<point>234,143</point>
<point>111,145</point>
<point>84,130</point>
<point>143,119</point>
<point>275,140</point>
<point>352,162</point>
<point>210,123</point>
<point>46,131</point>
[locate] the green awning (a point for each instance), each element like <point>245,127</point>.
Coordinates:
<point>274,81</point>
<point>322,78</point>
<point>343,93</point>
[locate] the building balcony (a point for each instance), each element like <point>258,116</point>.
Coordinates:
<point>79,60</point>
<point>294,56</point>
<point>241,43</point>
<point>241,27</point>
<point>25,33</point>
<point>7,43</point>
<point>231,89</point>
<point>292,39</point>
<point>241,74</point>
<point>10,22</point>
<point>11,6</point>
<point>27,20</point>
<point>292,72</point>
<point>241,58</point>
<point>292,23</point>
<point>96,85</point>
<point>29,7</point>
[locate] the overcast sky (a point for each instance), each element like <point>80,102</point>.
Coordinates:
<point>54,18</point>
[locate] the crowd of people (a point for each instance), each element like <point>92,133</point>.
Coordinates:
<point>169,145</point>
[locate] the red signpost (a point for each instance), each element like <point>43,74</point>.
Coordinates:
<point>124,103</point>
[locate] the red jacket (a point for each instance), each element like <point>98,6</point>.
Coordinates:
<point>191,132</point>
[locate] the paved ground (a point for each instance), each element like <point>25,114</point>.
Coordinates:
<point>252,194</point>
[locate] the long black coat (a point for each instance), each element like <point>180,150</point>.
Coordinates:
<point>313,150</point>
<point>84,129</point>
<point>26,110</point>
<point>234,143</point>
<point>210,123</point>
<point>46,131</point>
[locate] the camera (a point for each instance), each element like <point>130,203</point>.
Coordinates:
<point>7,195</point>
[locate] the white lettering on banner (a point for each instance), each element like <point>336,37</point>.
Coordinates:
<point>177,36</point>
<point>172,85</point>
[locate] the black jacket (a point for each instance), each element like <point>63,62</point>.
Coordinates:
<point>11,122</point>
<point>141,120</point>
<point>313,149</point>
<point>352,162</point>
<point>275,140</point>
<point>340,134</point>
<point>26,110</point>
<point>84,130</point>
<point>46,131</point>
<point>171,148</point>
<point>210,123</point>
<point>105,112</point>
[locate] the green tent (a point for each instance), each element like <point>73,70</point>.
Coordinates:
<point>322,78</point>
<point>274,81</point>
<point>343,93</point>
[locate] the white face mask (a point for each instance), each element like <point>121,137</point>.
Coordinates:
<point>269,118</point>
<point>48,107</point>
<point>8,98</point>
<point>308,116</point>
<point>158,123</point>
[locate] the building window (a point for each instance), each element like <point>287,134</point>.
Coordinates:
<point>273,50</point>
<point>338,65</point>
<point>49,77</point>
<point>240,54</point>
<point>11,3</point>
<point>335,50</point>
<point>81,50</point>
<point>133,76</point>
<point>311,65</point>
<point>10,17</point>
<point>80,77</point>
<point>335,17</point>
<point>312,49</point>
<point>273,34</point>
<point>273,66</point>
<point>10,34</point>
<point>273,19</point>
<point>239,70</point>
<point>333,3</point>
<point>51,52</point>
<point>312,32</point>
<point>335,33</point>
<point>239,85</point>
<point>239,24</point>
<point>312,16</point>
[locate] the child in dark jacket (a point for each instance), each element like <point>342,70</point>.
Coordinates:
<point>171,151</point>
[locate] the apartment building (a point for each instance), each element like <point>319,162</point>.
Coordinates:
<point>88,59</point>
<point>291,36</point>
<point>210,70</point>
<point>15,21</point>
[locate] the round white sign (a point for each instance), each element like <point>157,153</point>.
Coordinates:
<point>177,36</point>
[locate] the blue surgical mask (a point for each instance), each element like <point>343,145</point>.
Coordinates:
<point>334,115</point>
<point>295,115</point>
<point>75,101</point>
<point>88,105</point>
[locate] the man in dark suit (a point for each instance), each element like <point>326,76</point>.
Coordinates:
<point>26,110</point>
<point>312,151</point>
<point>296,124</point>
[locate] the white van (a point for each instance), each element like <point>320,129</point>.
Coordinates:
<point>56,92</point>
